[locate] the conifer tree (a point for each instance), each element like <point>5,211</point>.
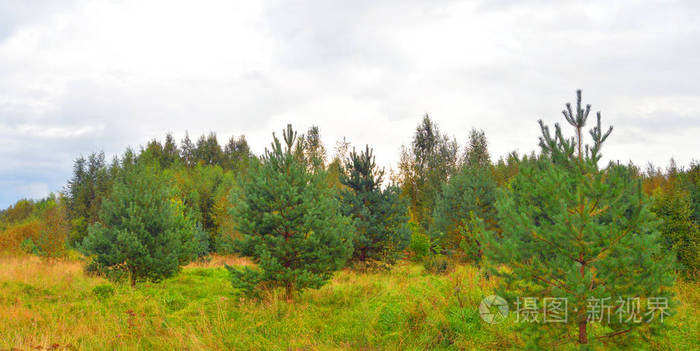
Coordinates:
<point>85,192</point>
<point>380,216</point>
<point>290,223</point>
<point>574,231</point>
<point>143,231</point>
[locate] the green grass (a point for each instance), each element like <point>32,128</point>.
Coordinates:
<point>56,304</point>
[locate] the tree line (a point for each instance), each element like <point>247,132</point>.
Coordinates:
<point>565,225</point>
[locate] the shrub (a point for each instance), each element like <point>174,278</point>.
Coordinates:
<point>103,291</point>
<point>420,246</point>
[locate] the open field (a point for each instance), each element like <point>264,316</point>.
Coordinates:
<point>54,305</point>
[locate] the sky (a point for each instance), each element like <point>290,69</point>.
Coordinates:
<point>84,76</point>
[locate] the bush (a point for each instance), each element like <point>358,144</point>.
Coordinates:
<point>29,247</point>
<point>438,264</point>
<point>420,244</point>
<point>103,291</point>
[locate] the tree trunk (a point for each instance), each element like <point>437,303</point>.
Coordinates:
<point>132,278</point>
<point>289,292</point>
<point>582,334</point>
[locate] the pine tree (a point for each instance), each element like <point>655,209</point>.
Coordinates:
<point>573,231</point>
<point>380,216</point>
<point>143,231</point>
<point>290,222</point>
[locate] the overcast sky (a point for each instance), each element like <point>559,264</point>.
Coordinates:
<point>83,76</point>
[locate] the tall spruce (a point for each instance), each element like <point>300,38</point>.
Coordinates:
<point>380,215</point>
<point>85,191</point>
<point>143,233</point>
<point>574,231</point>
<point>290,223</point>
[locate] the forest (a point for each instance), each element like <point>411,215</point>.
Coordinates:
<point>203,245</point>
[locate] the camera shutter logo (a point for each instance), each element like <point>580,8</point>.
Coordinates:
<point>493,309</point>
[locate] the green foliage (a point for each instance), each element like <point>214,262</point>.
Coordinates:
<point>574,231</point>
<point>28,246</point>
<point>424,167</point>
<point>250,281</point>
<point>142,231</point>
<point>476,154</point>
<point>164,156</point>
<point>470,193</point>
<point>404,309</point>
<point>681,234</point>
<point>380,216</point>
<point>201,188</point>
<point>91,182</point>
<point>420,244</point>
<point>314,153</point>
<point>103,291</point>
<point>692,181</point>
<point>290,222</point>
<point>208,151</point>
<point>237,154</point>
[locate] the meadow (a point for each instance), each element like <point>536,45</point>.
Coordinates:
<point>54,305</point>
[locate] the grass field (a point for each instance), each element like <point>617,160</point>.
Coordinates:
<point>55,306</point>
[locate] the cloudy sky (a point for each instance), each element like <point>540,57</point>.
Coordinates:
<point>82,76</point>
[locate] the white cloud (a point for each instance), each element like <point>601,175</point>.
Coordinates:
<point>82,76</point>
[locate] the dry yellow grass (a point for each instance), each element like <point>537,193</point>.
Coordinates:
<point>215,261</point>
<point>45,304</point>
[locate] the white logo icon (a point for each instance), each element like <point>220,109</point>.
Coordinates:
<point>493,309</point>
